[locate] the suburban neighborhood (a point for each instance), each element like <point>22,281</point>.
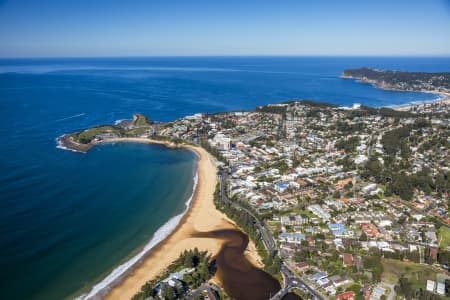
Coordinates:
<point>345,191</point>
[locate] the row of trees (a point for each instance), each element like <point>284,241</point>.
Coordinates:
<point>392,140</point>
<point>348,145</point>
<point>374,264</point>
<point>406,289</point>
<point>212,150</point>
<point>273,109</point>
<point>199,260</point>
<point>272,262</point>
<point>395,140</point>
<point>414,256</point>
<point>392,172</point>
<point>347,128</point>
<point>398,182</point>
<point>313,103</point>
<point>383,112</point>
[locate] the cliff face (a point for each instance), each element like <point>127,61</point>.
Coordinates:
<point>139,120</point>
<point>402,81</point>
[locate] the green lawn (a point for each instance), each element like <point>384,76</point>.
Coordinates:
<point>444,237</point>
<point>416,273</point>
<point>142,120</point>
<point>306,212</point>
<point>301,293</point>
<point>86,136</point>
<point>137,131</point>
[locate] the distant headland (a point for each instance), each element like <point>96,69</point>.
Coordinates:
<point>142,126</point>
<point>276,142</point>
<point>84,140</point>
<point>402,81</point>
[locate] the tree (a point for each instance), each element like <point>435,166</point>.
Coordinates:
<point>402,186</point>
<point>443,257</point>
<point>374,263</point>
<point>405,151</point>
<point>349,145</point>
<point>363,237</point>
<point>442,182</point>
<point>167,292</point>
<point>272,263</point>
<point>348,186</point>
<point>392,140</point>
<point>336,195</point>
<point>356,288</point>
<point>373,168</point>
<point>179,291</point>
<point>204,268</point>
<point>405,288</point>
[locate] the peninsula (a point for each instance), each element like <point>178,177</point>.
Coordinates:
<point>318,188</point>
<point>402,81</point>
<point>203,226</point>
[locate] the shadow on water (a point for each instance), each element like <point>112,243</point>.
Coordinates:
<point>240,279</point>
<point>291,296</point>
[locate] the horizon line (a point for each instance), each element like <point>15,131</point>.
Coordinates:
<point>236,56</point>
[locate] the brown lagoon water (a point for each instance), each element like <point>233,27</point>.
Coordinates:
<point>62,211</point>
<point>240,279</point>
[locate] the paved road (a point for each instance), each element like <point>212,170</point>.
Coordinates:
<point>391,286</point>
<point>425,211</point>
<point>291,280</point>
<point>199,291</point>
<point>263,229</point>
<point>371,145</point>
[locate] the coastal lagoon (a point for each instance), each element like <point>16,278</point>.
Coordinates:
<point>240,279</point>
<point>67,219</point>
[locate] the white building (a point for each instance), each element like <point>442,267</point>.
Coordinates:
<point>221,142</point>
<point>292,237</point>
<point>359,159</point>
<point>440,288</point>
<point>294,220</point>
<point>431,285</point>
<point>369,188</point>
<point>320,212</point>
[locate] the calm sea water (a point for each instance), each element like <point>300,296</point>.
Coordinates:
<point>67,219</point>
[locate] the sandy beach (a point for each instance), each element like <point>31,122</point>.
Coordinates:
<point>446,99</point>
<point>201,217</point>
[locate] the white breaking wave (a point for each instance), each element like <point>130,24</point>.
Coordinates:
<point>60,145</point>
<point>71,117</point>
<point>438,97</point>
<point>163,232</point>
<point>117,122</point>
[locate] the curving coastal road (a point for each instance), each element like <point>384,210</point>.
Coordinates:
<point>290,279</point>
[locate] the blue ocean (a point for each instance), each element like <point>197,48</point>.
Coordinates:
<point>68,219</point>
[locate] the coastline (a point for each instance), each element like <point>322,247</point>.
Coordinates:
<point>444,100</point>
<point>445,96</point>
<point>200,216</point>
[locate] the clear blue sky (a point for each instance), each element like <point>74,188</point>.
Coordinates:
<point>55,28</point>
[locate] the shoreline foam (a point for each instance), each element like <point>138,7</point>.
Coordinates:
<point>60,144</point>
<point>441,98</point>
<point>201,216</point>
<point>160,235</point>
